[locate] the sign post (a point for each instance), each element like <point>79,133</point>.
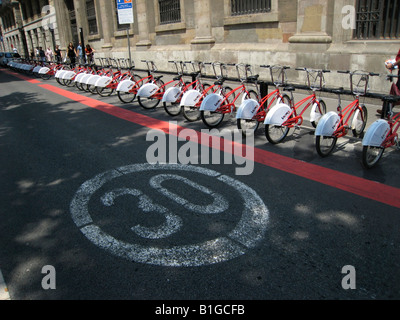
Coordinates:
<point>125,16</point>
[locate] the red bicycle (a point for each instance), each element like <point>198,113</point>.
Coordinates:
<point>252,112</point>
<point>282,117</point>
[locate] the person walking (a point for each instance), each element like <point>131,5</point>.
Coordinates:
<point>80,53</point>
<point>395,88</point>
<point>89,53</point>
<point>49,54</point>
<point>71,54</point>
<point>57,53</point>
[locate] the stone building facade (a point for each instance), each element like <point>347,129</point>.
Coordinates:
<point>335,35</point>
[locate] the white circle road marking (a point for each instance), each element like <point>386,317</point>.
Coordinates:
<point>246,235</point>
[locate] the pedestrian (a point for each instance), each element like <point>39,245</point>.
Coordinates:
<point>89,53</point>
<point>42,55</point>
<point>80,53</point>
<point>49,54</point>
<point>71,54</point>
<point>37,54</point>
<point>32,54</point>
<point>392,65</point>
<point>57,53</point>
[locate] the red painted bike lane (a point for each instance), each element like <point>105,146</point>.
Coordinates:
<point>349,183</point>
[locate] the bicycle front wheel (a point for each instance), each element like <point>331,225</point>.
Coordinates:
<point>359,121</point>
<point>371,156</point>
<point>325,145</point>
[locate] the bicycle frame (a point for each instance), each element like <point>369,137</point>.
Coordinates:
<point>392,136</point>
<point>345,116</point>
<point>227,106</point>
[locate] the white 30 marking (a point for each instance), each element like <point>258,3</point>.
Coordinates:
<point>246,235</point>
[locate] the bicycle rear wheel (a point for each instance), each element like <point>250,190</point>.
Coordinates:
<point>325,145</point>
<point>173,108</point>
<point>126,97</point>
<point>151,102</point>
<point>212,119</point>
<point>275,133</point>
<point>359,121</point>
<point>104,91</point>
<point>371,156</point>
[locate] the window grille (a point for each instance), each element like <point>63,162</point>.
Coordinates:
<point>377,19</point>
<point>243,7</point>
<point>170,11</point>
<point>91,16</point>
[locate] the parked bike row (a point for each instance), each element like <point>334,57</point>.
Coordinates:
<point>190,95</point>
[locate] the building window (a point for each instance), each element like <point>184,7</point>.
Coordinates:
<point>243,7</point>
<point>170,11</point>
<point>377,19</point>
<point>91,16</point>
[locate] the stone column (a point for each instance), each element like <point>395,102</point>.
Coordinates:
<point>62,30</point>
<point>143,26</point>
<point>203,39</point>
<point>107,25</point>
<point>314,21</point>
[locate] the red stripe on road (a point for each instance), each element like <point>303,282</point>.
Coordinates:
<point>352,184</point>
<point>21,76</point>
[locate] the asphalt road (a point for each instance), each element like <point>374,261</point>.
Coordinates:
<point>78,194</point>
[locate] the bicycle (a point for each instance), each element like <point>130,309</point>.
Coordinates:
<point>173,95</point>
<point>282,117</point>
<point>193,92</point>
<point>382,134</point>
<point>215,106</point>
<point>107,84</point>
<point>192,113</point>
<point>251,112</point>
<point>128,89</point>
<point>333,126</point>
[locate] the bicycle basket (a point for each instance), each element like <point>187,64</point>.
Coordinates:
<point>278,75</point>
<point>315,79</point>
<point>359,81</point>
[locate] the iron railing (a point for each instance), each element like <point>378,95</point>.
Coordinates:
<point>377,19</point>
<point>170,11</point>
<point>243,7</point>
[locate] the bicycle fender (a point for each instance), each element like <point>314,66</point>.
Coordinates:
<point>103,82</point>
<point>328,124</point>
<point>60,73</point>
<point>79,77</point>
<point>44,70</point>
<point>125,85</point>
<point>376,133</point>
<point>211,102</point>
<point>278,114</point>
<point>92,79</point>
<point>36,69</point>
<point>147,90</point>
<point>190,98</point>
<point>68,75</point>
<point>314,115</point>
<point>355,117</point>
<point>171,95</point>
<point>84,78</point>
<point>247,109</point>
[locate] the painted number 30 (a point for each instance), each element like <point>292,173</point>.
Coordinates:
<point>247,233</point>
